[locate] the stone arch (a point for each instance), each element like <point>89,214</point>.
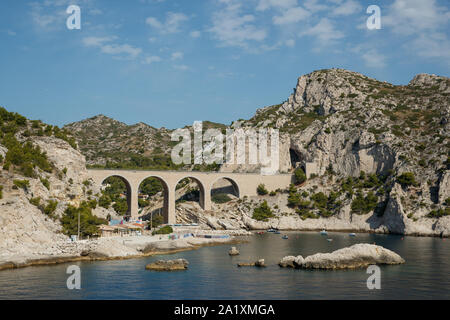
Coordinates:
<point>234,185</point>
<point>129,191</point>
<point>202,195</point>
<point>166,195</point>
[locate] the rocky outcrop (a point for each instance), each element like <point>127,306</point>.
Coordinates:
<point>260,264</point>
<point>168,265</point>
<point>233,251</point>
<point>357,256</point>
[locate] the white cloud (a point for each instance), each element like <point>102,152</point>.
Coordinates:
<point>426,25</point>
<point>324,32</point>
<point>195,34</point>
<point>105,45</point>
<point>177,56</point>
<point>411,16</point>
<point>290,43</point>
<point>233,28</point>
<point>96,41</point>
<point>434,45</point>
<point>267,4</point>
<point>374,59</point>
<point>181,67</point>
<point>291,15</point>
<point>116,49</point>
<point>314,6</point>
<point>171,25</point>
<point>347,8</point>
<point>152,59</point>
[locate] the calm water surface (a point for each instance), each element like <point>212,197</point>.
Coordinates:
<point>212,274</point>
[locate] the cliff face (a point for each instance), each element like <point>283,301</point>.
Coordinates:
<point>32,203</point>
<point>340,124</point>
<point>392,141</point>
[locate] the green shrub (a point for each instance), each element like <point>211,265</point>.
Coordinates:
<point>143,203</point>
<point>163,230</point>
<point>1,192</point>
<point>320,199</point>
<point>363,205</point>
<point>272,193</point>
<point>24,156</point>
<point>88,222</point>
<point>50,208</point>
<point>220,198</point>
<point>22,184</point>
<point>262,191</point>
<point>263,212</point>
<point>447,202</point>
<point>407,179</point>
<point>121,206</point>
<point>439,213</point>
<point>104,201</point>
<point>35,201</point>
<point>45,182</point>
<point>299,175</point>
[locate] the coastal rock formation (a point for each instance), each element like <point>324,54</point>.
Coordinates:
<point>233,251</point>
<point>259,263</point>
<point>336,125</point>
<point>168,265</point>
<point>357,256</point>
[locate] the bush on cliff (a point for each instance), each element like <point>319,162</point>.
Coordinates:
<point>299,175</point>
<point>220,198</point>
<point>163,230</point>
<point>407,179</point>
<point>88,222</point>
<point>263,212</point>
<point>262,191</point>
<point>363,205</point>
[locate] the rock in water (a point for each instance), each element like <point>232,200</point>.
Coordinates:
<point>260,263</point>
<point>168,265</point>
<point>287,262</point>
<point>233,251</point>
<point>357,256</point>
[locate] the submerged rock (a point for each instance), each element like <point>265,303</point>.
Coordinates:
<point>260,263</point>
<point>168,265</point>
<point>233,251</point>
<point>357,256</point>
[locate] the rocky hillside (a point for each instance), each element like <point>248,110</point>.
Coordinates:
<point>41,176</point>
<point>112,144</point>
<point>376,156</point>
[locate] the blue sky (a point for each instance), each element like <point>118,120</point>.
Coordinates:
<point>171,62</point>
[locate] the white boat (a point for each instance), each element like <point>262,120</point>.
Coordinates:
<point>323,232</point>
<point>329,240</point>
<point>352,234</point>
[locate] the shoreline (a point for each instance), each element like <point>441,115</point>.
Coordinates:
<point>98,256</point>
<point>47,261</point>
<point>418,235</point>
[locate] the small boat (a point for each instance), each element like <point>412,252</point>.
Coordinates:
<point>277,232</point>
<point>285,237</point>
<point>260,232</point>
<point>329,240</point>
<point>323,232</point>
<point>352,234</point>
<point>271,230</point>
